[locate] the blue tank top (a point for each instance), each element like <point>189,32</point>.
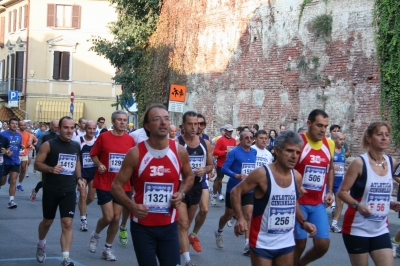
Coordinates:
<point>339,159</point>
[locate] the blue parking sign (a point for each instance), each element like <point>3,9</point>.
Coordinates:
<point>13,95</point>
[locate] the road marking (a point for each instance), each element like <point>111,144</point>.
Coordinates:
<point>34,259</point>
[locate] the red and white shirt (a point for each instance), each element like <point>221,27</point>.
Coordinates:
<point>313,165</point>
<point>155,180</point>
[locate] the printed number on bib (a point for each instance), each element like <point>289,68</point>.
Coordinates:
<point>340,170</point>
<point>69,163</point>
<point>378,204</point>
<point>157,195</point>
<point>115,162</point>
<point>87,161</point>
<point>196,161</point>
<point>247,168</point>
<point>281,220</point>
<point>260,161</point>
<point>314,177</point>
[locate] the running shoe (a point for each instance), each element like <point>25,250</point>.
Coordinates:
<point>12,204</point>
<point>221,198</point>
<point>40,254</point>
<point>123,236</point>
<point>394,247</point>
<point>231,222</point>
<point>108,254</point>
<point>398,250</point>
<point>195,242</point>
<point>214,201</point>
<point>27,175</point>
<point>20,188</point>
<point>246,250</point>
<point>67,262</point>
<point>83,226</point>
<point>190,263</point>
<point>219,239</point>
<point>94,240</point>
<point>33,195</point>
<point>336,229</point>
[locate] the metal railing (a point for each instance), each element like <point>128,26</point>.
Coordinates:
<point>11,84</point>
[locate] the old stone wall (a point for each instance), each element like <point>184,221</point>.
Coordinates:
<point>252,61</point>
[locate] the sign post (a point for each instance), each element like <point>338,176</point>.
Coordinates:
<point>13,99</point>
<point>177,97</point>
<point>71,107</point>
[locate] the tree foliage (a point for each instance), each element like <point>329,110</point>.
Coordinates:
<point>387,19</point>
<point>127,51</point>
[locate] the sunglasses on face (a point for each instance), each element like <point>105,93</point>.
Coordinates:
<point>202,123</point>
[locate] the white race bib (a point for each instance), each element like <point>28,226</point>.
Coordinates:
<point>260,161</point>
<point>247,168</point>
<point>69,163</point>
<point>87,161</point>
<point>156,196</point>
<point>21,152</point>
<point>115,162</point>
<point>379,204</point>
<point>340,170</point>
<point>1,158</point>
<point>196,161</point>
<point>281,219</point>
<point>314,177</point>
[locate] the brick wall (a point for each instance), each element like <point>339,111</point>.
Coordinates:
<point>241,59</point>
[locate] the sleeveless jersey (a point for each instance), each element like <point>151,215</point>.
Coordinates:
<point>272,224</point>
<point>66,154</point>
<point>374,191</point>
<point>313,165</point>
<point>339,159</point>
<point>155,180</point>
<point>87,165</point>
<point>197,156</point>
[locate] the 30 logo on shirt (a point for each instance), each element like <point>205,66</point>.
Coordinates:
<point>159,170</point>
<point>316,159</point>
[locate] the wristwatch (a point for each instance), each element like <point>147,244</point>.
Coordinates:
<point>355,205</point>
<point>183,194</point>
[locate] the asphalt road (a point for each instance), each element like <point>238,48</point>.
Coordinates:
<point>18,237</point>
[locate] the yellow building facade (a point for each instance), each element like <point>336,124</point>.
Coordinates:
<point>45,55</point>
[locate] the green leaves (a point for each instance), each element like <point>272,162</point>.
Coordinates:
<point>387,19</point>
<point>127,51</point>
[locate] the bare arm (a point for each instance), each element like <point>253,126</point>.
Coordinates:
<point>352,173</point>
<point>100,167</point>
<point>78,173</point>
<point>252,181</point>
<point>331,177</point>
<point>209,162</point>
<point>186,171</point>
<point>41,158</point>
<point>129,163</point>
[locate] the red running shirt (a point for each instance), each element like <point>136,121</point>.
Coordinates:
<point>155,180</point>
<point>111,151</point>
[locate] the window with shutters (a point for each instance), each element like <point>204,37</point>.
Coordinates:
<point>22,17</point>
<point>63,16</point>
<point>14,20</point>
<point>61,65</point>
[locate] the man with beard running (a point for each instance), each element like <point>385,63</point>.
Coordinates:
<point>155,166</point>
<point>201,162</point>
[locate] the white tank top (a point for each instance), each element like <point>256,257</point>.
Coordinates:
<point>377,195</point>
<point>273,227</point>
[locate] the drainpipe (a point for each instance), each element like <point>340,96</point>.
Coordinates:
<point>27,54</point>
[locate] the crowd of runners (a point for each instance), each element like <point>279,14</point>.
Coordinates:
<point>163,178</point>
